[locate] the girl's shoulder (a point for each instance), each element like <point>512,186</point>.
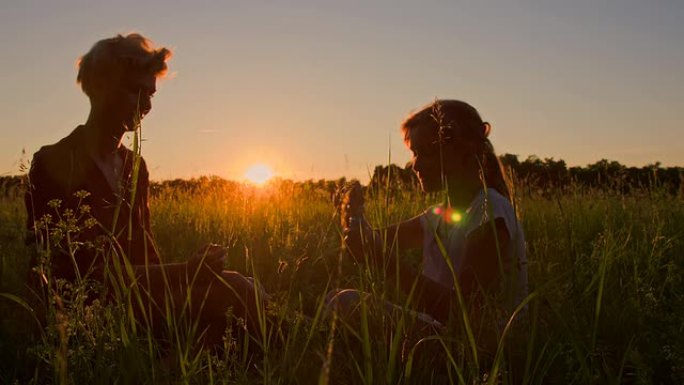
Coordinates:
<point>490,205</point>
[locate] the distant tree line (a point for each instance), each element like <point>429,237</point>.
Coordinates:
<point>531,174</point>
<point>604,174</point>
<point>547,174</point>
<point>12,186</point>
<point>215,183</point>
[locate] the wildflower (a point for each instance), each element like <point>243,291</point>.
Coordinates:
<point>68,213</point>
<point>81,194</point>
<point>90,223</point>
<point>45,220</point>
<point>56,234</point>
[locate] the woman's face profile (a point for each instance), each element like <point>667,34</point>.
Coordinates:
<point>133,98</point>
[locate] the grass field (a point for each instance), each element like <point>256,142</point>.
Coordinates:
<point>606,304</point>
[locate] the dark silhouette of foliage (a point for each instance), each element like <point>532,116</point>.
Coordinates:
<point>393,176</point>
<point>606,175</point>
<point>532,174</point>
<point>12,186</point>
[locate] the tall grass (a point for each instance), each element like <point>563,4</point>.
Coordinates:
<point>605,272</point>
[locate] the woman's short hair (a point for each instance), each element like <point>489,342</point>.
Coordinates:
<point>110,60</point>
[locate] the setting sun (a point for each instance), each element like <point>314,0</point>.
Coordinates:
<point>259,174</point>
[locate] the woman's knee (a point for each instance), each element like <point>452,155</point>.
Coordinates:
<point>345,300</point>
<point>246,287</point>
<point>234,280</point>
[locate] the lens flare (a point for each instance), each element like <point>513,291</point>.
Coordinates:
<point>259,174</point>
<point>448,214</point>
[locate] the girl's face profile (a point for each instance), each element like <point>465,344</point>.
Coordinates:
<point>426,158</point>
<point>430,166</point>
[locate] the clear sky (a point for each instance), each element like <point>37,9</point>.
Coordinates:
<point>319,88</point>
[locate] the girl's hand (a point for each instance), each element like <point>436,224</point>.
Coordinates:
<point>351,209</point>
<point>355,228</point>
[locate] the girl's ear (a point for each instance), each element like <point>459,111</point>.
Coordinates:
<point>486,129</point>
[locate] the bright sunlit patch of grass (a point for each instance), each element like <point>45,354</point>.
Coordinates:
<point>259,174</point>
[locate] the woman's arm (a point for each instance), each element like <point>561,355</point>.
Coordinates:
<point>149,247</point>
<point>36,198</point>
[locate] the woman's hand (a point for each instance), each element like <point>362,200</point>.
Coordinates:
<point>207,261</point>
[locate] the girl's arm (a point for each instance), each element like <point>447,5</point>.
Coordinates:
<point>361,241</point>
<point>381,247</point>
<point>405,235</point>
<point>486,258</point>
<point>483,264</point>
<point>360,238</point>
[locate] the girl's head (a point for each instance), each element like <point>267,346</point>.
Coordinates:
<point>449,142</point>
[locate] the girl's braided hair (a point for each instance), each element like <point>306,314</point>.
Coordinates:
<point>455,121</point>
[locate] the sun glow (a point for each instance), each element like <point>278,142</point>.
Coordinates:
<point>259,174</point>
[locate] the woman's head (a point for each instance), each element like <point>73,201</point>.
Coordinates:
<point>449,142</point>
<point>111,60</point>
<point>119,76</point>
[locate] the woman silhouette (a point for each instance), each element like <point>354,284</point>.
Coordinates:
<point>92,182</point>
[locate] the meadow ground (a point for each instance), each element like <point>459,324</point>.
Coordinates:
<point>606,298</point>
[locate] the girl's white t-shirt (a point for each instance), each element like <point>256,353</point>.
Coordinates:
<point>448,231</point>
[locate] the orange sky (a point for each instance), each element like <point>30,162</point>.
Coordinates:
<point>318,89</point>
